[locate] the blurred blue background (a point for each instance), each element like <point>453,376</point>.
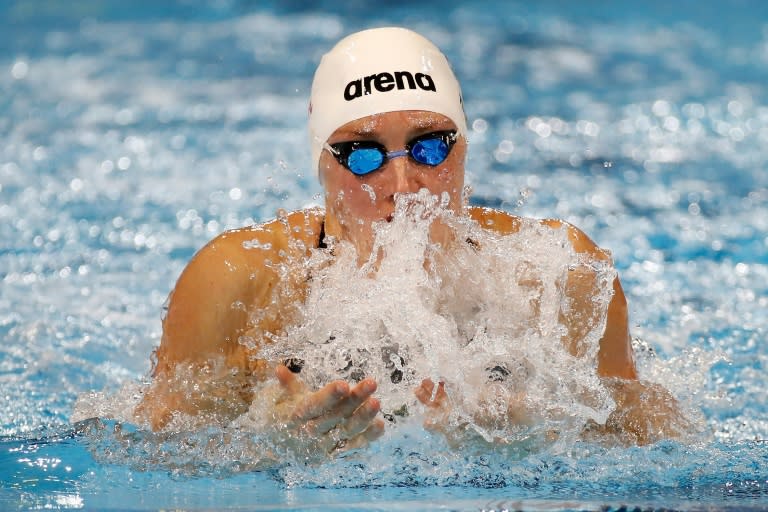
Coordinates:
<point>133,132</point>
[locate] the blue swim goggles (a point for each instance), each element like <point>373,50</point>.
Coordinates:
<point>363,157</point>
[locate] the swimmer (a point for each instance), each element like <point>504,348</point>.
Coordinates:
<point>385,118</point>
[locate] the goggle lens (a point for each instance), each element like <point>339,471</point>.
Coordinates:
<point>430,151</point>
<point>364,160</point>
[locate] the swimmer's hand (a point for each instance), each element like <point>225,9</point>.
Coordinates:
<point>315,424</point>
<point>645,413</point>
<point>498,410</point>
<point>437,403</point>
<point>438,417</point>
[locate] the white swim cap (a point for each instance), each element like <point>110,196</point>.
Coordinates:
<point>376,71</point>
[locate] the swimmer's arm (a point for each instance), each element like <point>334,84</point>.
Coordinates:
<point>206,314</point>
<point>615,353</point>
<point>615,357</point>
<point>208,308</point>
<point>645,412</point>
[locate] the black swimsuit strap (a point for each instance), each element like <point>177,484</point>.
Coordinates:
<point>321,242</point>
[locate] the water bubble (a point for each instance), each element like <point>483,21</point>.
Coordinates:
<point>694,209</point>
<point>369,189</point>
<point>661,108</point>
<point>539,126</point>
<point>124,116</point>
<point>54,235</point>
<point>479,125</point>
<point>588,128</point>
<point>135,144</point>
<point>19,70</point>
<point>256,244</point>
<point>178,141</point>
<point>671,123</point>
<point>39,153</point>
<point>736,133</point>
<point>124,163</point>
<point>575,160</point>
<point>735,108</point>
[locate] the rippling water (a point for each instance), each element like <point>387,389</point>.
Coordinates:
<point>131,136</point>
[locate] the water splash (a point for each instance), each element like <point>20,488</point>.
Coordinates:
<point>483,315</point>
<point>442,298</point>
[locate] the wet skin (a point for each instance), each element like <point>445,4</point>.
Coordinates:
<point>354,203</point>
<point>202,326</point>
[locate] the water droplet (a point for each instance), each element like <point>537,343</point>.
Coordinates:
<point>19,70</point>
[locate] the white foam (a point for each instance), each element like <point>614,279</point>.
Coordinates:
<point>420,311</point>
<point>483,315</point>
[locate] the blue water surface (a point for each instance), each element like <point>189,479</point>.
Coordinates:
<point>133,132</point>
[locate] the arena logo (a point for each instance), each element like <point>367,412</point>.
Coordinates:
<point>384,82</point>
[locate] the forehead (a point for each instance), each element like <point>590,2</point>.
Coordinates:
<point>407,121</point>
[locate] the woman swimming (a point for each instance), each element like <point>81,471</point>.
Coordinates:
<point>386,120</point>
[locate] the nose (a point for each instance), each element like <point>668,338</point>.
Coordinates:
<point>404,177</point>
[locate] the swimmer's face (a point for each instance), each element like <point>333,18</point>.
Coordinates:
<point>354,203</point>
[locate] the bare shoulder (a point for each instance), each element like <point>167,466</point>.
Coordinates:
<point>206,309</point>
<point>505,223</point>
<point>495,220</point>
<point>284,232</point>
<point>615,357</point>
<point>228,259</point>
<point>237,258</point>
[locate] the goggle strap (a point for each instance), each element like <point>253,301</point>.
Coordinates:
<point>330,149</point>
<point>395,154</point>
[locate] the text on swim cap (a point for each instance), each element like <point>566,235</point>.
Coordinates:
<point>384,82</point>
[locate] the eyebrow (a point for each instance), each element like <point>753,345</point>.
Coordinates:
<point>369,132</point>
<point>363,132</point>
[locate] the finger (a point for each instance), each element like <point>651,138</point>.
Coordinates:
<point>357,397</point>
<point>424,392</point>
<point>322,402</point>
<point>289,380</point>
<point>374,431</point>
<point>441,397</point>
<point>326,423</point>
<point>346,407</point>
<point>362,419</point>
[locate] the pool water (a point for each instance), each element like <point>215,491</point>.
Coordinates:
<point>132,135</point>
